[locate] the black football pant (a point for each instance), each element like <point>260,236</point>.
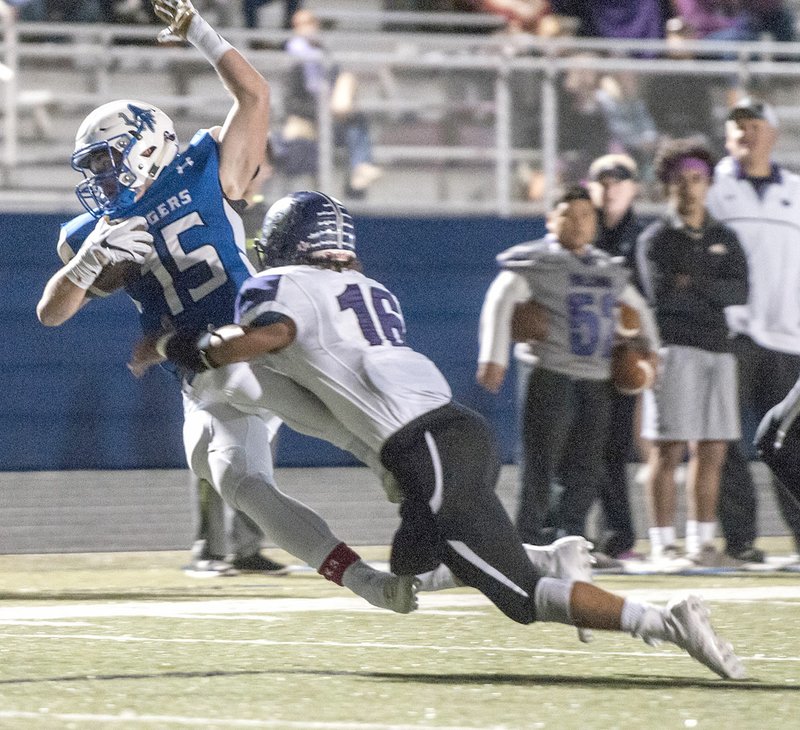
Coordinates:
<point>447,465</point>
<point>564,430</point>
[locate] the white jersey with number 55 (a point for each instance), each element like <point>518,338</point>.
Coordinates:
<point>350,349</point>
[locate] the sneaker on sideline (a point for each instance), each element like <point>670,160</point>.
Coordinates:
<point>710,557</point>
<point>213,567</point>
<point>669,560</point>
<point>258,563</point>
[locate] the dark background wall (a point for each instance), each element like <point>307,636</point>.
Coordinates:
<point>68,402</point>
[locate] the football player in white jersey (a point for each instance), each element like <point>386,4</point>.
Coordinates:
<point>340,335</point>
<point>164,224</point>
<point>568,395</point>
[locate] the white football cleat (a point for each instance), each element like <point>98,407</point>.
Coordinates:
<point>568,558</point>
<point>688,625</point>
<point>397,593</point>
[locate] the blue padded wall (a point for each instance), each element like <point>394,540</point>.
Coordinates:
<point>68,402</point>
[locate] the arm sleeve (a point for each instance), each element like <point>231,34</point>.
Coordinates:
<point>494,334</point>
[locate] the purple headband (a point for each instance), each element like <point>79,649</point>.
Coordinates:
<point>690,164</point>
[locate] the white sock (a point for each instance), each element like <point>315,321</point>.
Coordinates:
<point>644,620</point>
<point>552,598</point>
<point>706,532</point>
<point>660,537</point>
<point>439,579</point>
<point>693,542</point>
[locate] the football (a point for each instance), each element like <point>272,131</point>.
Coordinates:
<point>115,276</point>
<point>529,321</point>
<point>629,323</point>
<point>632,370</point>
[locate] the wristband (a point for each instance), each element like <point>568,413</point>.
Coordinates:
<point>206,40</point>
<point>83,269</point>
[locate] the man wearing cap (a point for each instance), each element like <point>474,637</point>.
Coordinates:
<point>761,202</point>
<point>614,185</point>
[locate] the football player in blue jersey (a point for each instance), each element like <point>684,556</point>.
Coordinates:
<point>164,224</point>
<point>340,335</point>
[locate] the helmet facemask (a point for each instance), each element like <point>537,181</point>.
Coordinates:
<point>120,147</point>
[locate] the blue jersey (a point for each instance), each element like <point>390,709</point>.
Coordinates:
<point>198,261</point>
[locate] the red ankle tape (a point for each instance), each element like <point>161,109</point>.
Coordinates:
<point>339,560</point>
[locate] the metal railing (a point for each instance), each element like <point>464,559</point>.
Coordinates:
<point>104,52</point>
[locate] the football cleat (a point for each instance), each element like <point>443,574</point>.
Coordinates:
<point>396,593</point>
<point>689,627</point>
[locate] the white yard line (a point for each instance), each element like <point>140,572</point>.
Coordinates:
<point>267,608</point>
<point>530,651</point>
<point>131,718</point>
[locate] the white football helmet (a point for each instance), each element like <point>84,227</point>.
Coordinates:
<point>119,147</point>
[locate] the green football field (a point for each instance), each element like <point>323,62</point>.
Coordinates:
<point>128,641</point>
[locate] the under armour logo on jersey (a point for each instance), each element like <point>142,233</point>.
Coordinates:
<point>188,163</point>
<point>787,203</point>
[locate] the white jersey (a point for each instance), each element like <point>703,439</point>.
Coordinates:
<point>350,348</point>
<point>769,231</point>
<point>580,294</point>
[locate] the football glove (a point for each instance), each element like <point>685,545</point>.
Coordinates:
<point>108,244</point>
<point>177,14</point>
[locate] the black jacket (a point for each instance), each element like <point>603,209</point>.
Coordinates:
<point>689,277</point>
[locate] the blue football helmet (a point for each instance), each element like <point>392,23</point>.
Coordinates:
<point>305,227</point>
<point>119,147</point>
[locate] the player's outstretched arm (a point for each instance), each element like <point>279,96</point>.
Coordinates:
<point>243,137</point>
<point>124,242</point>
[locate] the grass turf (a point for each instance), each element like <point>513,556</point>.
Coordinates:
<point>127,640</point>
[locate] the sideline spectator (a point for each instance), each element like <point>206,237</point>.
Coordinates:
<point>250,10</point>
<point>582,126</point>
<point>614,185</point>
<point>691,114</point>
<point>615,19</point>
<point>569,389</point>
<point>733,20</point>
<point>692,268</point>
<point>521,15</point>
<point>629,121</point>
<point>761,202</point>
<point>307,81</point>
